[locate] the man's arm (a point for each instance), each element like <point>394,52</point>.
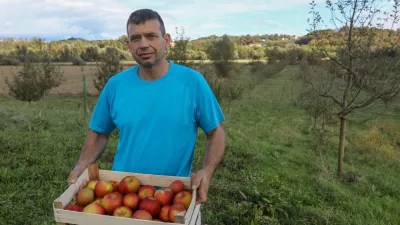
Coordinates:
<point>93,147</point>
<point>215,148</point>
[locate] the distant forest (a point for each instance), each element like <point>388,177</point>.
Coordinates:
<point>78,51</point>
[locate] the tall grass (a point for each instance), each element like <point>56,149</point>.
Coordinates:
<point>270,173</point>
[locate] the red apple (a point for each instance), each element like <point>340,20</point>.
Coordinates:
<point>129,184</point>
<point>142,214</point>
<point>85,196</point>
<point>184,197</point>
<point>92,184</point>
<point>146,191</point>
<point>175,208</point>
<point>115,185</point>
<point>164,196</point>
<point>94,208</point>
<point>151,205</point>
<point>131,200</point>
<point>103,188</point>
<point>74,207</point>
<point>164,213</point>
<point>123,211</point>
<point>177,186</point>
<point>112,201</point>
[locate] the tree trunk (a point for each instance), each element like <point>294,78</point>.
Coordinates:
<point>343,121</point>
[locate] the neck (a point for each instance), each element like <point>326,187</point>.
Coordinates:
<point>155,72</point>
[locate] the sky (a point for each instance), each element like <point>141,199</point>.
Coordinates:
<point>106,19</point>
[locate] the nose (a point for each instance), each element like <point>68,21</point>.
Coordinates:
<point>143,43</point>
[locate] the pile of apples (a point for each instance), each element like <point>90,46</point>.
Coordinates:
<point>128,198</point>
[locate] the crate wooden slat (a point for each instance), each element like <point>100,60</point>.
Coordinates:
<point>190,216</point>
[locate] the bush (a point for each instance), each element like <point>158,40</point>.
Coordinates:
<point>78,61</point>
<point>6,60</point>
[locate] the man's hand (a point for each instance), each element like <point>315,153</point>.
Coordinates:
<point>201,181</point>
<point>74,174</point>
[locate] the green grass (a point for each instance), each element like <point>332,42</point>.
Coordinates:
<point>270,173</point>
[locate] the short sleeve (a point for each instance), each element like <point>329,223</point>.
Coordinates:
<point>208,111</point>
<point>101,120</point>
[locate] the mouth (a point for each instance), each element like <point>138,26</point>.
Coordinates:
<point>145,55</point>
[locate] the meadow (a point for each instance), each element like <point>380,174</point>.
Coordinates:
<point>271,172</point>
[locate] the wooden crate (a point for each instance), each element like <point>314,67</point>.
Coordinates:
<point>189,217</point>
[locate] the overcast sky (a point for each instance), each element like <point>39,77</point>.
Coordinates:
<point>106,19</point>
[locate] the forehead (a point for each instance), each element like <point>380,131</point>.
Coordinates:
<point>150,26</point>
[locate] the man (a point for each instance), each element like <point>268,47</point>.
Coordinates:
<point>157,106</point>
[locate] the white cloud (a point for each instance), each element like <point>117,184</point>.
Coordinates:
<point>98,19</point>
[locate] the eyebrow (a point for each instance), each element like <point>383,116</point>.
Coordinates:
<point>138,35</point>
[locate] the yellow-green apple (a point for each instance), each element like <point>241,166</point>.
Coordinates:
<point>131,200</point>
<point>184,197</point>
<point>146,191</point>
<point>94,208</point>
<point>164,196</point>
<point>112,201</point>
<point>85,196</point>
<point>142,215</point>
<point>175,208</point>
<point>99,200</point>
<point>164,213</point>
<point>103,188</point>
<point>177,186</point>
<point>115,185</point>
<point>74,207</point>
<point>92,184</point>
<point>129,184</point>
<point>151,205</point>
<point>123,211</point>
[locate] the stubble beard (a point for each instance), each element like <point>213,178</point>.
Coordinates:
<point>150,65</point>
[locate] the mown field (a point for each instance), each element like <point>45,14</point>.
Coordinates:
<point>270,174</point>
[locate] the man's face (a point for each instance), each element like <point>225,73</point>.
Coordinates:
<point>146,43</point>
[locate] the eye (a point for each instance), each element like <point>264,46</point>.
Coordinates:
<point>135,39</point>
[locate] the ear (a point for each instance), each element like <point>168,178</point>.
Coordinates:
<point>167,38</point>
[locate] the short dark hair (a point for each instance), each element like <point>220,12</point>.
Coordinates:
<point>140,16</point>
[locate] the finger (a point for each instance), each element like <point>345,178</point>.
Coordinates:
<point>196,181</point>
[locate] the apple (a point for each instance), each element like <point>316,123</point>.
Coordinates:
<point>177,186</point>
<point>103,188</point>
<point>115,185</point>
<point>184,197</point>
<point>85,196</point>
<point>164,213</point>
<point>112,201</point>
<point>74,207</point>
<point>92,184</point>
<point>175,208</point>
<point>165,197</point>
<point>131,200</point>
<point>151,205</point>
<point>146,191</point>
<point>129,184</point>
<point>99,200</point>
<point>123,211</point>
<point>142,215</point>
<point>94,208</point>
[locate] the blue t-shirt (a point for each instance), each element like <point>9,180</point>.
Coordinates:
<point>157,120</point>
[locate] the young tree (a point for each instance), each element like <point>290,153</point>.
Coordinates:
<point>33,80</point>
<point>108,67</point>
<point>179,53</point>
<point>221,53</point>
<point>360,72</point>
